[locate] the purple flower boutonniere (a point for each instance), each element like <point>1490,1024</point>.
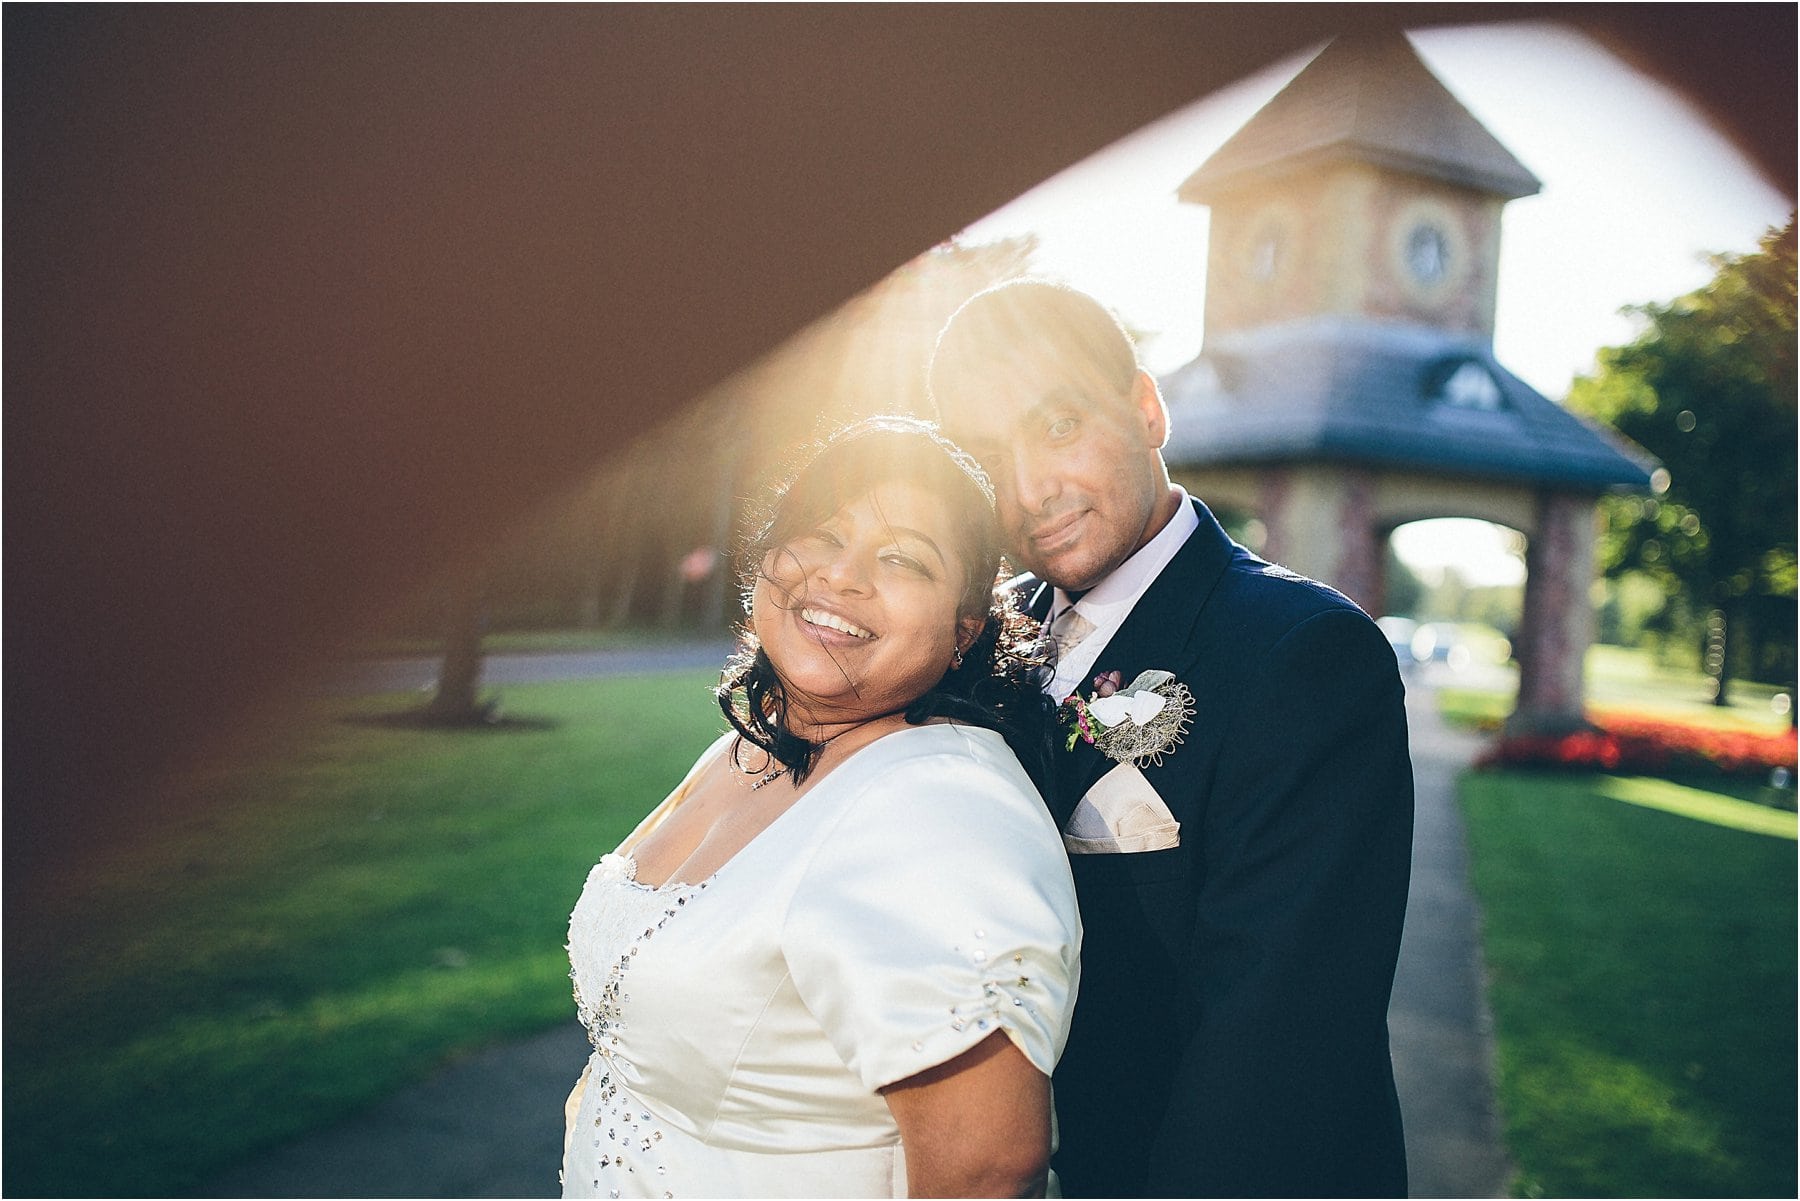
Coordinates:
<point>1136,723</point>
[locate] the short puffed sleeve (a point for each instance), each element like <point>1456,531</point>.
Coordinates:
<point>937,910</point>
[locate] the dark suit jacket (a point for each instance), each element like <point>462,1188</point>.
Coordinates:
<point>1231,1032</point>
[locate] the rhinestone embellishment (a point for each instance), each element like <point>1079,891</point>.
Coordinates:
<point>1001,992</point>
<point>623,1130</point>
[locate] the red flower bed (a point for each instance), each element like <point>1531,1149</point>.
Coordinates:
<point>1645,746</point>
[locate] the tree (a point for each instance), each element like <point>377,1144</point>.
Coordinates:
<point>1709,388</point>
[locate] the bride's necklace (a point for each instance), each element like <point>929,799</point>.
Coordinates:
<point>778,769</point>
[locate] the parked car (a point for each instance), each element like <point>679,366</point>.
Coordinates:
<point>1427,642</point>
<point>1437,642</point>
<point>1400,631</point>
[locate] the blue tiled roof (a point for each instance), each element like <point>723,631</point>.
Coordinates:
<point>1336,390</point>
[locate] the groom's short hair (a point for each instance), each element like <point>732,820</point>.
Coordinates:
<point>1032,318</point>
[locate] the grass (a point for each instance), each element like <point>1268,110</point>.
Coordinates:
<point>1627,680</point>
<point>531,642</point>
<point>1702,804</point>
<point>1640,942</point>
<point>299,937</point>
<point>1474,708</point>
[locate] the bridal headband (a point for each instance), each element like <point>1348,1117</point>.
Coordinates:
<point>897,424</point>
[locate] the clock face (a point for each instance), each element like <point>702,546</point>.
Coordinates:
<point>1427,253</point>
<point>1271,245</point>
<point>1265,256</point>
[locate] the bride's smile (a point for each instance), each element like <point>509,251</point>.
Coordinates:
<point>828,620</point>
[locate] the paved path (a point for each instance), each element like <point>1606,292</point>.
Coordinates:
<point>488,1126</point>
<point>491,1125</point>
<point>415,672</point>
<point>1438,1019</point>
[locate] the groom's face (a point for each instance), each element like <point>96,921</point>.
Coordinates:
<point>1074,458</point>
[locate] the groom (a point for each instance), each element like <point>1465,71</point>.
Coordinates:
<point>1243,897</point>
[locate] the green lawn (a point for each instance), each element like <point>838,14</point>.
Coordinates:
<point>330,922</point>
<point>1624,679</point>
<point>1640,940</point>
<point>529,642</point>
<point>301,937</point>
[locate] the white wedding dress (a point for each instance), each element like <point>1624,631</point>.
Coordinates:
<point>910,904</point>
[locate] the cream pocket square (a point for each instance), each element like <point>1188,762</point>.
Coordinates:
<point>1121,813</point>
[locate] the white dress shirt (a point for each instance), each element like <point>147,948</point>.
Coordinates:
<point>1109,602</point>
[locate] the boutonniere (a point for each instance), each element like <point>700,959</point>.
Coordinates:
<point>1136,723</point>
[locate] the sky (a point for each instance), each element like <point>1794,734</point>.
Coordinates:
<point>1638,190</point>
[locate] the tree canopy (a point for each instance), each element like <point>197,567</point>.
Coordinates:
<point>1708,387</point>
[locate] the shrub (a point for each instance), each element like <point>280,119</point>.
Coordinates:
<point>1644,746</point>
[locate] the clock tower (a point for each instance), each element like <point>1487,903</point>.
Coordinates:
<point>1348,383</point>
<point>1363,190</point>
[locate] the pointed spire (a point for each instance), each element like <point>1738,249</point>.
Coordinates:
<point>1364,99</point>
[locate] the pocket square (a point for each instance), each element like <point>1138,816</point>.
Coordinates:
<point>1121,813</point>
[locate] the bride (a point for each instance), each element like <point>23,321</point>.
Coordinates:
<point>841,957</point>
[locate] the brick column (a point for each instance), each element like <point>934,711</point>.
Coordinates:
<point>1274,488</point>
<point>1558,620</point>
<point>1359,566</point>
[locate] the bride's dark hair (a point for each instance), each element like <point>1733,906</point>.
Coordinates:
<point>1000,683</point>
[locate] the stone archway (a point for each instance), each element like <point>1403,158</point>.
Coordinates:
<point>1450,550</point>
<point>1455,589</point>
<point>1333,522</point>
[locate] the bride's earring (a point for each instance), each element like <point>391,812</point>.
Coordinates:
<point>955,657</point>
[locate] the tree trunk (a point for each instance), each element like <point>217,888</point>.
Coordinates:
<point>624,586</point>
<point>1720,625</point>
<point>712,614</point>
<point>459,676</point>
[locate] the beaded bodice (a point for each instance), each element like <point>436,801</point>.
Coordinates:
<point>615,917</point>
